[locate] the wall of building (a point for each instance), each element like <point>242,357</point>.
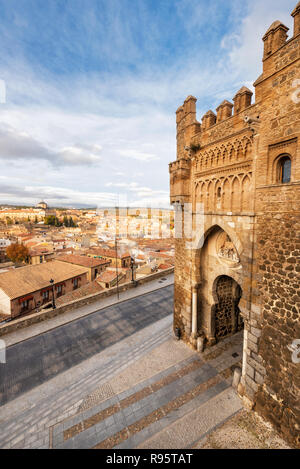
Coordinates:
<point>227,168</point>
<point>4,304</point>
<point>41,258</point>
<point>275,385</point>
<point>37,296</point>
<point>275,379</point>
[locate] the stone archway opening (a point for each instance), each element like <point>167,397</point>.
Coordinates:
<point>227,316</point>
<point>220,271</point>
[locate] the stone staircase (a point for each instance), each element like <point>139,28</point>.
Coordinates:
<point>175,408</point>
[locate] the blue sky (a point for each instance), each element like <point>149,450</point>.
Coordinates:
<point>92,87</point>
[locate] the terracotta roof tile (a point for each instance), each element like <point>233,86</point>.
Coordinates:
<point>86,290</point>
<point>109,253</point>
<point>84,261</point>
<point>25,280</point>
<point>165,266</point>
<point>107,276</point>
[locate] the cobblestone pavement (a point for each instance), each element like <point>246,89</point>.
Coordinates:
<point>126,394</point>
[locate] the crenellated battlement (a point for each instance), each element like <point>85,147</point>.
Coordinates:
<point>296,16</point>
<point>279,52</point>
<point>274,38</point>
<point>191,135</point>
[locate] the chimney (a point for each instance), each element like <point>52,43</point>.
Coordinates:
<point>224,111</point>
<point>242,99</point>
<point>208,120</point>
<point>296,16</point>
<point>274,38</point>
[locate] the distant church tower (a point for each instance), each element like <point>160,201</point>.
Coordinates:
<point>42,205</point>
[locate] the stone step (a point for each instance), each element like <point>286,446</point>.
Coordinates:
<point>195,425</point>
<point>131,417</point>
<point>164,423</point>
<point>126,420</point>
<point>130,406</point>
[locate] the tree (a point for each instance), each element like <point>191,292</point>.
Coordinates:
<point>17,252</point>
<point>57,222</point>
<point>52,220</point>
<point>71,222</point>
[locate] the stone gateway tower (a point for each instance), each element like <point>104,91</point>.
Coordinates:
<point>236,183</point>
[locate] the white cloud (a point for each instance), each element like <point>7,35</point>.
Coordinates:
<point>122,185</point>
<point>19,145</point>
<point>56,195</point>
<point>245,45</point>
<point>81,154</point>
<point>138,155</point>
<point>107,129</point>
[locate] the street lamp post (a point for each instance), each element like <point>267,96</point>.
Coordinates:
<point>132,265</point>
<point>53,298</point>
<point>117,272</point>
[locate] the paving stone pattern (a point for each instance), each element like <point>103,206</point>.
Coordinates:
<point>79,409</point>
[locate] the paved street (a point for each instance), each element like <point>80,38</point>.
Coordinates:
<point>36,360</point>
<point>116,378</point>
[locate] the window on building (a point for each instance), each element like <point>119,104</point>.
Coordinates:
<point>41,259</point>
<point>25,305</point>
<point>284,170</point>
<point>59,290</point>
<point>45,296</point>
<point>75,283</point>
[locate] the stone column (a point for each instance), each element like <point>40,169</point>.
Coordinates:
<point>194,312</point>
<point>244,355</point>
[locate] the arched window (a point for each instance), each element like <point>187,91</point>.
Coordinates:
<point>284,170</point>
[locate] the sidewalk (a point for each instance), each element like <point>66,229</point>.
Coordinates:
<point>246,430</point>
<point>44,326</point>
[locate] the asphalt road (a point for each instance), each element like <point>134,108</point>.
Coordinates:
<point>36,360</point>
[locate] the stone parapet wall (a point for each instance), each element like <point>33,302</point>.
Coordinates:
<point>49,314</point>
